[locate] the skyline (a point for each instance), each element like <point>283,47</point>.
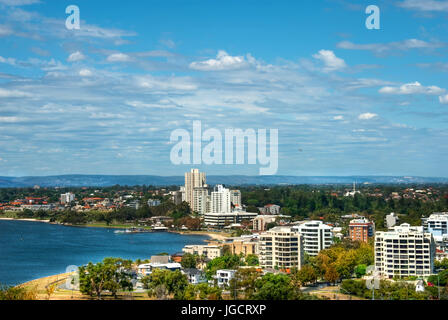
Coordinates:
<point>104,99</point>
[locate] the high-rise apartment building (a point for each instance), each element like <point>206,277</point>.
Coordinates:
<point>316,236</point>
<point>404,251</point>
<point>193,179</point>
<point>281,247</point>
<point>220,200</point>
<point>201,200</point>
<point>361,229</point>
<point>66,198</point>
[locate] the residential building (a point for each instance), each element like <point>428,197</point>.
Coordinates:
<point>193,179</point>
<point>153,203</point>
<point>260,222</point>
<point>361,229</point>
<point>281,247</point>
<point>316,236</point>
<point>67,198</point>
<point>270,209</point>
<point>176,196</point>
<point>244,245</point>
<point>404,251</point>
<point>235,198</point>
<point>220,220</point>
<point>391,220</point>
<point>147,268</point>
<point>220,200</point>
<point>223,277</point>
<point>195,276</point>
<point>437,225</point>
<point>209,251</point>
<point>201,200</point>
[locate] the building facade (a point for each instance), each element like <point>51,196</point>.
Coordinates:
<point>404,251</point>
<point>220,200</point>
<point>235,198</point>
<point>281,247</point>
<point>193,179</point>
<point>437,225</point>
<point>209,251</point>
<point>361,229</point>
<point>316,236</point>
<point>220,220</point>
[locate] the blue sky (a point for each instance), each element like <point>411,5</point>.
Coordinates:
<point>104,99</point>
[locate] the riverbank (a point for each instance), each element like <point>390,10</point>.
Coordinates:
<point>213,235</point>
<point>30,220</point>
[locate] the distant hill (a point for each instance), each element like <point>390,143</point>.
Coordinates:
<point>131,180</point>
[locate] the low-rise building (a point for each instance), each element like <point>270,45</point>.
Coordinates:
<point>147,268</point>
<point>270,209</point>
<point>220,220</point>
<point>243,245</point>
<point>194,276</point>
<point>223,277</point>
<point>208,251</point>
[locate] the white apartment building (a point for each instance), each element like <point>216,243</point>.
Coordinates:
<point>220,220</point>
<point>201,200</point>
<point>67,198</point>
<point>404,251</point>
<point>316,236</point>
<point>193,179</point>
<point>281,247</point>
<point>220,200</point>
<point>235,198</point>
<point>437,225</point>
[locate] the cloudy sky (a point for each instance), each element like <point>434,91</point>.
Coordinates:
<point>104,99</point>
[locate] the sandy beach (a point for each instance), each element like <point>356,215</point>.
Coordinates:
<point>31,220</point>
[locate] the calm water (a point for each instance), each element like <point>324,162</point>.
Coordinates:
<point>30,250</point>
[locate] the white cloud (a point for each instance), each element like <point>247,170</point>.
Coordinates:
<point>381,48</point>
<point>169,83</point>
<point>4,93</point>
<point>443,99</point>
<point>338,118</point>
<point>367,116</point>
<point>85,73</point>
<point>5,31</point>
<point>223,61</point>
<point>331,62</point>
<point>426,5</point>
<point>118,57</point>
<point>76,56</point>
<point>14,3</point>
<point>10,119</point>
<point>10,61</point>
<point>412,88</point>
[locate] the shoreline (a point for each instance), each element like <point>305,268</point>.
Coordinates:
<point>211,235</point>
<point>26,219</point>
